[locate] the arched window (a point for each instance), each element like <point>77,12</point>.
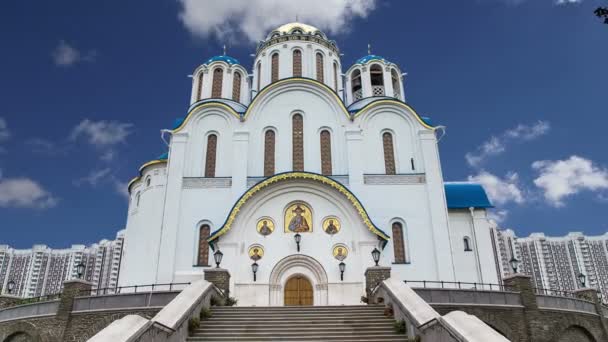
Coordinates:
<point>200,86</point>
<point>297,142</point>
<point>297,63</point>
<point>236,87</point>
<point>259,74</point>
<point>335,76</point>
<point>210,156</point>
<point>269,139</point>
<point>467,244</point>
<point>275,68</point>
<point>137,197</point>
<point>326,152</point>
<point>396,88</point>
<point>319,67</point>
<point>218,77</point>
<point>203,245</point>
<point>389,153</point>
<point>398,243</point>
<point>355,83</point>
<point>148,181</point>
<point>377,77</point>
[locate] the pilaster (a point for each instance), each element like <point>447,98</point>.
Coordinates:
<point>240,148</point>
<point>354,145</point>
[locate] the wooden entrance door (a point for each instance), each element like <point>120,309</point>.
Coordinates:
<point>298,291</point>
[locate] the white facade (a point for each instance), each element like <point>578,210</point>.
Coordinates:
<point>555,263</point>
<point>41,270</point>
<point>214,175</point>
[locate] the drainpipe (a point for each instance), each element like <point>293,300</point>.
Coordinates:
<point>477,260</point>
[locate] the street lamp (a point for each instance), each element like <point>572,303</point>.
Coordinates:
<point>298,238</point>
<point>10,286</point>
<point>218,255</point>
<point>514,264</point>
<point>80,270</point>
<point>581,279</point>
<point>376,255</point>
<point>342,266</point>
<point>254,268</point>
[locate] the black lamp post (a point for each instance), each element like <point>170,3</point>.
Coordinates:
<point>376,255</point>
<point>80,270</point>
<point>581,279</point>
<point>10,286</point>
<point>514,264</point>
<point>298,238</point>
<point>254,268</point>
<point>218,255</point>
<point>342,266</point>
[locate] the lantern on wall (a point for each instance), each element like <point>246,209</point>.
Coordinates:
<point>80,270</point>
<point>254,269</point>
<point>342,267</point>
<point>298,238</point>
<point>581,279</point>
<point>514,264</point>
<point>376,255</point>
<point>218,255</point>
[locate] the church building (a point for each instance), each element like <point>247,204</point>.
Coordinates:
<point>294,174</point>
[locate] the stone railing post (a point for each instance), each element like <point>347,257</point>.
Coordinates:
<point>373,276</point>
<point>220,278</point>
<point>7,300</point>
<point>590,294</point>
<point>523,284</point>
<point>71,289</point>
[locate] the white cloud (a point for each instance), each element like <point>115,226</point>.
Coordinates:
<point>94,177</point>
<point>67,55</point>
<point>46,147</point>
<point>500,190</point>
<point>566,2</point>
<point>5,134</point>
<point>24,193</point>
<point>498,216</point>
<point>102,133</point>
<point>562,178</point>
<point>253,19</point>
<point>121,188</point>
<point>498,144</point>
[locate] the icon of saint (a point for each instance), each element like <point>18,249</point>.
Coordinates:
<point>298,223</point>
<point>331,228</point>
<point>256,254</point>
<point>340,254</point>
<point>265,230</point>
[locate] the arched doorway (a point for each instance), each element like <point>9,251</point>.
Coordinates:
<point>292,267</point>
<point>298,291</point>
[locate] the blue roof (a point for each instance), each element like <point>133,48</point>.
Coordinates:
<point>368,58</point>
<point>224,58</point>
<point>466,195</point>
<point>427,120</point>
<point>178,122</point>
<point>163,156</point>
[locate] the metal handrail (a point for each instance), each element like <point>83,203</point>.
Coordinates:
<point>133,289</point>
<point>550,292</point>
<point>461,285</point>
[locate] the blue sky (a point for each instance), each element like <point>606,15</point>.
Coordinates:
<point>87,86</point>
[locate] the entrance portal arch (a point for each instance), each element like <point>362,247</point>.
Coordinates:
<point>298,265</point>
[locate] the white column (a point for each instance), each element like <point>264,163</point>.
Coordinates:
<point>170,222</point>
<point>354,146</point>
<point>483,246</point>
<point>366,82</point>
<point>388,82</point>
<point>227,83</point>
<point>437,206</point>
<point>240,146</point>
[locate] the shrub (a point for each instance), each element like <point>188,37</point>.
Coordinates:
<point>193,324</point>
<point>205,313</point>
<point>230,301</point>
<point>214,301</point>
<point>400,327</point>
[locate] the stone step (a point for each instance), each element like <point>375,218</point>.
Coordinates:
<point>303,329</point>
<point>261,315</point>
<point>286,312</point>
<point>301,324</point>
<point>288,308</point>
<point>275,318</point>
<point>310,337</point>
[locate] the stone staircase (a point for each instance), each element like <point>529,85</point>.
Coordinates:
<point>298,323</point>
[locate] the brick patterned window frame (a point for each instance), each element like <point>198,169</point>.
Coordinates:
<point>319,63</point>
<point>389,153</point>
<point>210,157</point>
<point>218,78</point>
<point>325,137</point>
<point>203,245</point>
<point>259,75</point>
<point>297,142</point>
<point>200,86</point>
<point>336,77</point>
<point>398,243</point>
<point>275,67</point>
<point>269,150</point>
<point>236,87</point>
<point>297,63</point>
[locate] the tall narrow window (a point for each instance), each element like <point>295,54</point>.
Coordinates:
<point>259,74</point>
<point>137,197</point>
<point>377,78</point>
<point>203,245</point>
<point>210,157</point>
<point>335,76</point>
<point>275,68</point>
<point>325,152</point>
<point>355,83</point>
<point>319,67</point>
<point>389,153</point>
<point>236,87</point>
<point>398,243</point>
<point>218,77</point>
<point>467,244</point>
<point>297,142</point>
<point>269,153</point>
<point>200,87</point>
<point>297,63</point>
